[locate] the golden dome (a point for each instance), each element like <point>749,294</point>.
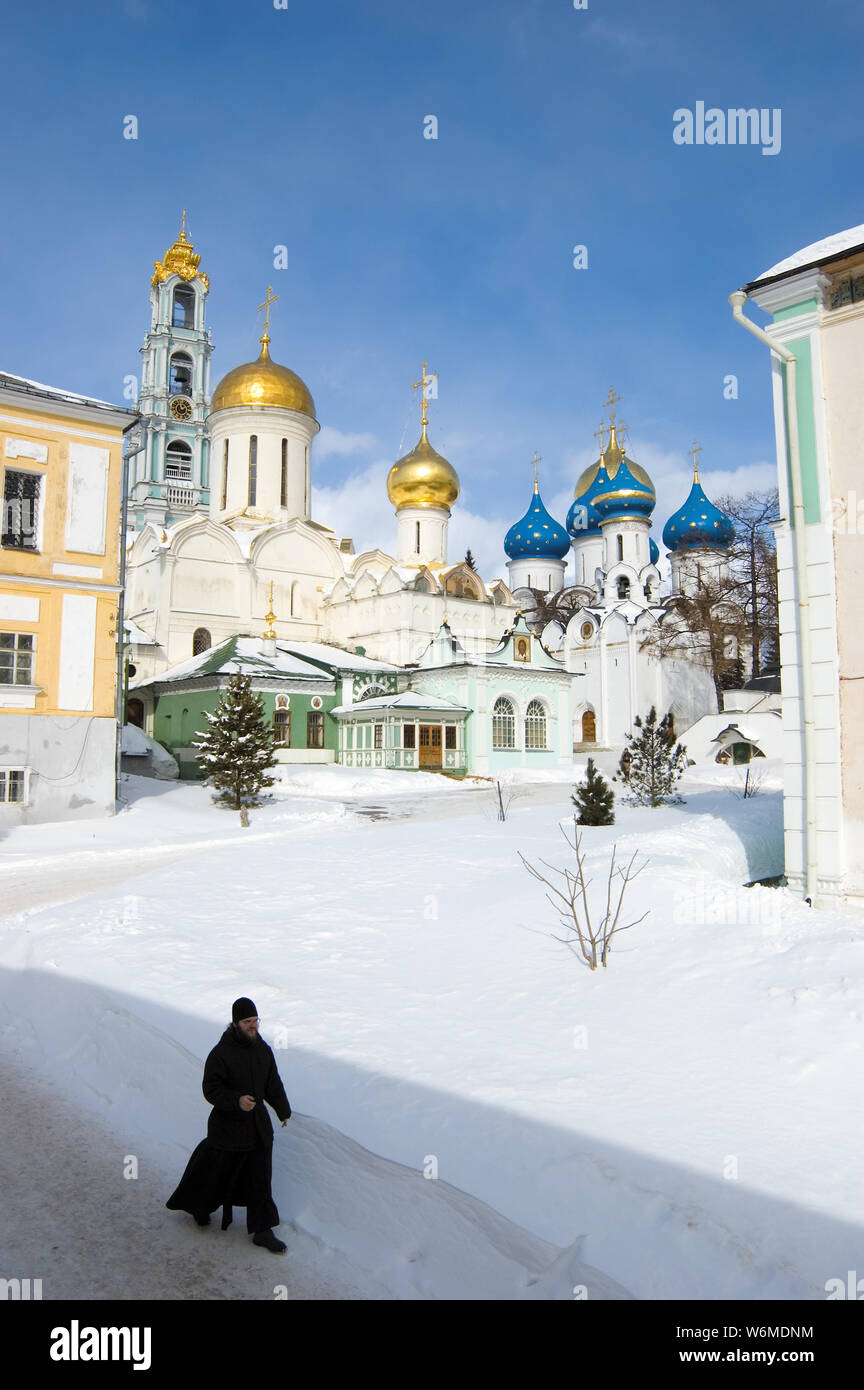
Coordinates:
<point>611,458</point>
<point>422,478</point>
<point>263,383</point>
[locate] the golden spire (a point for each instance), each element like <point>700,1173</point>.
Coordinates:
<point>536,459</point>
<point>697,449</point>
<point>424,382</point>
<point>264,340</point>
<point>180,259</point>
<point>270,631</point>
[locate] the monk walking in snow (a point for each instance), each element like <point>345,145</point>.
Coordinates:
<point>233,1165</point>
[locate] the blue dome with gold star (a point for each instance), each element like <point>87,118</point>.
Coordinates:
<point>653,552</point>
<point>582,520</point>
<point>537,533</point>
<point>698,525</point>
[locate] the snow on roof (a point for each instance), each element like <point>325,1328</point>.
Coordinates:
<point>11,379</point>
<point>134,633</point>
<point>406,699</point>
<point>241,655</point>
<point>337,657</point>
<point>827,249</point>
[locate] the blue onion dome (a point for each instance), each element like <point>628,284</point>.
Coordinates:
<point>619,486</point>
<point>653,552</point>
<point>582,520</point>
<point>537,533</point>
<point>698,524</point>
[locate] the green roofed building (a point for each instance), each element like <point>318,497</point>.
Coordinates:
<point>453,711</point>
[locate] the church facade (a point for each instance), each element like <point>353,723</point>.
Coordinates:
<point>222,541</point>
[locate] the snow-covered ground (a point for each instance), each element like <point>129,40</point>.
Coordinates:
<point>678,1121</point>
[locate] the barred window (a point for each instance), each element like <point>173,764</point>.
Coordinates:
<point>20,509</point>
<point>315,729</point>
<point>535,725</point>
<point>225,477</point>
<point>282,727</point>
<point>283,489</point>
<point>450,736</point>
<point>17,650</point>
<point>201,641</point>
<point>379,735</point>
<point>503,724</point>
<point>409,733</point>
<point>13,783</point>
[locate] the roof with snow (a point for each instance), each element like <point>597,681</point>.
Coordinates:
<point>406,699</point>
<point>244,656</point>
<point>830,248</point>
<point>59,393</point>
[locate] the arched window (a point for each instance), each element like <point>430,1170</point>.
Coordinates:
<point>535,725</point>
<point>283,491</point>
<point>180,381</point>
<point>135,713</point>
<point>201,641</point>
<point>225,476</point>
<point>589,727</point>
<point>253,469</point>
<point>282,727</point>
<point>620,547</point>
<point>503,724</point>
<point>178,460</point>
<point>417,538</point>
<point>623,587</point>
<point>421,584</point>
<point>183,309</point>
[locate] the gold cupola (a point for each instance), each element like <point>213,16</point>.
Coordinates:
<point>263,382</point>
<point>180,259</point>
<point>612,457</point>
<point>423,478</point>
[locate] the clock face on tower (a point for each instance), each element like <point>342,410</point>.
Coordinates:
<point>181,408</point>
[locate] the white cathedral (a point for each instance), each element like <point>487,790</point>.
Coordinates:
<point>219,519</point>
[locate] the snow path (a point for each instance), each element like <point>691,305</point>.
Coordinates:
<point>71,1219</point>
<point>419,1009</point>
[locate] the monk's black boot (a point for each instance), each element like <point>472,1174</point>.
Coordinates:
<point>270,1242</point>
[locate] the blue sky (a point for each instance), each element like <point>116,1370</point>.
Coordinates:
<point>304,127</point>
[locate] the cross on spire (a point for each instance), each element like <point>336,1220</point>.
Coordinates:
<point>611,402</point>
<point>423,383</point>
<point>536,459</point>
<point>183,224</point>
<point>270,298</point>
<point>693,452</point>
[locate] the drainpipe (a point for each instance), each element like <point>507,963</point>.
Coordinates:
<point>738,300</point>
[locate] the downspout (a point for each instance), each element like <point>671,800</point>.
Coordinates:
<point>121,677</point>
<point>738,300</point>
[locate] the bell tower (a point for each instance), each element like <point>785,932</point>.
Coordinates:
<point>171,476</point>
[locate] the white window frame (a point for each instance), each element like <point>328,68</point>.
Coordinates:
<point>5,799</point>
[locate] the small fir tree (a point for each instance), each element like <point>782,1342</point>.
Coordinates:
<point>470,561</point>
<point>656,762</point>
<point>238,748</point>
<point>594,799</point>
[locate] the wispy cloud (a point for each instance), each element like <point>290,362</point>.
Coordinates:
<point>332,442</point>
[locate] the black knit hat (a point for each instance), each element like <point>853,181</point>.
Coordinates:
<point>243,1008</point>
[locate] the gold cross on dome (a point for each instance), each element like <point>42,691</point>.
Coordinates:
<point>270,299</point>
<point>536,459</point>
<point>600,434</point>
<point>423,383</point>
<point>696,449</point>
<point>183,224</point>
<point>611,402</point>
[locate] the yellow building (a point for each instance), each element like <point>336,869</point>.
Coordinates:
<point>60,584</point>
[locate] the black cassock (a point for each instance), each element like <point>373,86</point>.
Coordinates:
<point>232,1167</point>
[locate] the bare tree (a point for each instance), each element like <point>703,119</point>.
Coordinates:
<point>753,559</point>
<point>707,625</point>
<point>556,607</point>
<point>585,936</point>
